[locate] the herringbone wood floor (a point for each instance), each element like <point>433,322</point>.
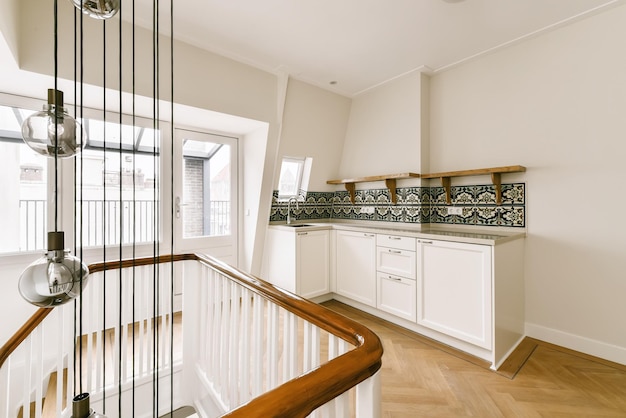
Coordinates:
<point>421,378</point>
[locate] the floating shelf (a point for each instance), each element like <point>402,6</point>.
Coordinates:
<point>495,172</point>
<point>446,180</point>
<point>390,182</point>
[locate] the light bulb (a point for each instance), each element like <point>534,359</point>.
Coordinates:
<point>98,9</point>
<point>55,278</point>
<point>38,130</point>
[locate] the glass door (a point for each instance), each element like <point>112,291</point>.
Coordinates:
<point>205,194</point>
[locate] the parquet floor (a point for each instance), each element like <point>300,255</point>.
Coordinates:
<point>421,378</point>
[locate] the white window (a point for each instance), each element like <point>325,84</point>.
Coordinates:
<point>119,189</point>
<point>290,180</point>
<point>24,187</point>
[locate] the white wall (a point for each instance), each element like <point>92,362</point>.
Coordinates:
<point>385,130</point>
<point>314,125</point>
<point>8,25</point>
<point>557,105</point>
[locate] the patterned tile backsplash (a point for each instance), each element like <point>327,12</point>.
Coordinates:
<point>477,205</point>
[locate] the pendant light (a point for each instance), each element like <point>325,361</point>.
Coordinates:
<point>52,132</point>
<point>98,9</point>
<point>55,278</point>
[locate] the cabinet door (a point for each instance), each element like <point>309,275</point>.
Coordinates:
<point>312,263</point>
<point>356,266</point>
<point>454,290</point>
<point>396,295</point>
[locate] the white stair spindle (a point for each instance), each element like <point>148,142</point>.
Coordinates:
<point>244,352</point>
<point>235,307</point>
<point>272,346</point>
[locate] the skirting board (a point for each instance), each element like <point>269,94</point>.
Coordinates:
<point>585,345</point>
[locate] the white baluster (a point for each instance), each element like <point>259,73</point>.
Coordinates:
<point>244,353</point>
<point>272,346</point>
<point>224,340</point>
<point>5,387</point>
<point>257,345</point>
<point>28,364</point>
<point>38,379</point>
<point>235,304</point>
<point>368,402</point>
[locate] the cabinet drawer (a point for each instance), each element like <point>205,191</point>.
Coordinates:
<point>397,262</point>
<point>395,241</point>
<point>397,296</point>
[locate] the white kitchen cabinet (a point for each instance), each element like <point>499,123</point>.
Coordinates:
<point>454,290</point>
<point>298,260</point>
<point>396,295</point>
<point>312,263</point>
<point>356,266</point>
<point>395,265</point>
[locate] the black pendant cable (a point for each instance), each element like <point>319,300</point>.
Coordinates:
<point>104,205</point>
<point>121,235</point>
<point>134,223</point>
<point>172,207</point>
<point>78,196</point>
<point>155,289</point>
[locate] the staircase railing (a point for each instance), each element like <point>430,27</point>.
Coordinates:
<point>243,348</point>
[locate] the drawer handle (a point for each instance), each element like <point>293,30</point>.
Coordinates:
<point>397,279</point>
<point>395,251</point>
<point>425,242</point>
<point>303,233</point>
<point>395,238</point>
<point>368,235</point>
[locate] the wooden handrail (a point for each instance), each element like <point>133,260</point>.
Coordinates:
<point>314,388</point>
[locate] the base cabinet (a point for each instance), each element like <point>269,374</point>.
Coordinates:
<point>299,261</point>
<point>356,266</point>
<point>454,290</point>
<point>312,263</point>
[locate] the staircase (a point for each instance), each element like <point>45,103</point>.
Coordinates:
<point>241,348</point>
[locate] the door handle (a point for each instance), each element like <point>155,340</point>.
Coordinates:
<point>177,206</point>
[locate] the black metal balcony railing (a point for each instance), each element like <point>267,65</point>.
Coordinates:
<point>111,222</point>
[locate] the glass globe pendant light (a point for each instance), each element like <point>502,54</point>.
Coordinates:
<point>53,132</point>
<point>98,9</point>
<point>55,278</point>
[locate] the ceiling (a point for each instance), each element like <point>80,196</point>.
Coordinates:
<point>350,46</point>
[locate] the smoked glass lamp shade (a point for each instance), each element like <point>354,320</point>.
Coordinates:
<point>55,278</point>
<point>38,130</point>
<point>98,9</point>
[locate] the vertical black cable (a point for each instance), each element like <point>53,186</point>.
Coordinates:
<point>155,375</point>
<point>56,112</point>
<point>75,162</point>
<point>134,206</point>
<point>82,72</point>
<point>172,206</point>
<point>104,209</point>
<point>121,299</point>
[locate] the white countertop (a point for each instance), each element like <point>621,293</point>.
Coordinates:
<point>470,236</point>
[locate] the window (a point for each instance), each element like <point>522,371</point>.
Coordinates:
<point>119,198</point>
<point>24,173</point>
<point>290,180</point>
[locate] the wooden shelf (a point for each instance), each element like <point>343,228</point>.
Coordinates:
<point>495,172</point>
<point>389,179</point>
<point>446,182</point>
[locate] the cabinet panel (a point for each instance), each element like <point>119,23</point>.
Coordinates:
<point>396,295</point>
<point>454,290</point>
<point>398,262</point>
<point>312,253</point>
<point>356,266</point>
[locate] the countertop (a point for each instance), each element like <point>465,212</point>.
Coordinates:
<point>470,236</point>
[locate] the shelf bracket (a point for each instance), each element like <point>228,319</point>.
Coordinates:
<point>391,185</point>
<point>446,184</point>
<point>351,188</point>
<point>496,179</point>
